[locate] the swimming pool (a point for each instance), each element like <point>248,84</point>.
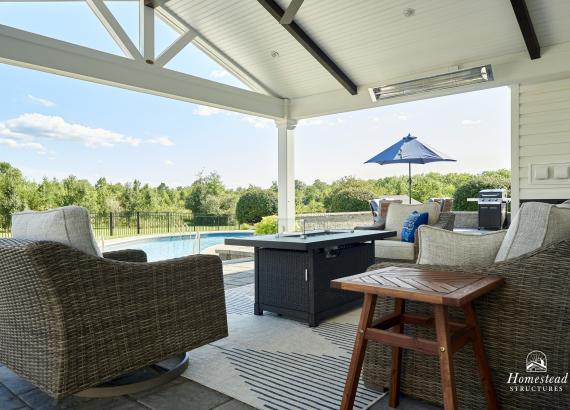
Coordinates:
<point>168,247</point>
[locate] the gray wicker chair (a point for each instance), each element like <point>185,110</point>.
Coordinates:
<point>531,312</point>
<point>70,321</point>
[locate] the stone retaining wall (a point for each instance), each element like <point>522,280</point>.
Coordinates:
<point>337,220</point>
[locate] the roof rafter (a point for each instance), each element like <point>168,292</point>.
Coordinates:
<point>302,38</point>
<point>114,28</point>
<point>291,11</point>
<point>177,46</point>
<point>527,28</point>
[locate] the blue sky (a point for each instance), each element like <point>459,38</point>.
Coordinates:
<point>55,126</point>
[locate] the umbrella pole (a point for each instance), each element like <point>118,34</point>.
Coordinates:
<point>410,182</point>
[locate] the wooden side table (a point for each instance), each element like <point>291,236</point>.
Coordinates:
<point>440,289</point>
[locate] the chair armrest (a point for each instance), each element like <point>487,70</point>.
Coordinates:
<point>126,255</point>
<point>373,227</point>
<point>442,247</point>
<point>446,221</point>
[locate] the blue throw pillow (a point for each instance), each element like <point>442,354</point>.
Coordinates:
<point>412,223</point>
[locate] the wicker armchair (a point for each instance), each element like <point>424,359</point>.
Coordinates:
<point>530,313</point>
<point>70,321</point>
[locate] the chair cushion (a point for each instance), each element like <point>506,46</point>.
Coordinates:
<point>394,249</point>
<point>535,225</point>
<point>69,225</point>
<point>411,224</point>
<point>397,213</point>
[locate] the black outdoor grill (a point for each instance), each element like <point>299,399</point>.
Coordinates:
<point>492,208</point>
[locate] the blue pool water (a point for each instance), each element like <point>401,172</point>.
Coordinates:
<point>169,247</point>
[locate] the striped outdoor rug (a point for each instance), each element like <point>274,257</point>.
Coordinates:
<point>275,363</point>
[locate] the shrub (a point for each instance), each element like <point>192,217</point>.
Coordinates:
<point>352,199</point>
<point>470,189</point>
<point>268,225</point>
<point>254,204</point>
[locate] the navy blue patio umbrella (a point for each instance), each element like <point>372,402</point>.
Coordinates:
<point>409,151</point>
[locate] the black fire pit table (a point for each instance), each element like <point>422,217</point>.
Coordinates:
<point>293,271</point>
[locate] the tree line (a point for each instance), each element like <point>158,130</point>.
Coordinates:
<point>207,194</point>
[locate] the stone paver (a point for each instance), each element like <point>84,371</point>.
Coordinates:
<point>182,396</point>
<point>9,401</point>
<point>238,273</point>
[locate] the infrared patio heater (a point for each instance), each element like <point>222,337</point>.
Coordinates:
<point>453,79</point>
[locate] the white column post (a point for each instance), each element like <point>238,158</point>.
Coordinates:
<point>286,174</point>
<point>146,32</point>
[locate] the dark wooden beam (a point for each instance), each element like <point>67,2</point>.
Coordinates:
<point>154,3</point>
<point>291,11</point>
<point>527,29</point>
<point>297,32</point>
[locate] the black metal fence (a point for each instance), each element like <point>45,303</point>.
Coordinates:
<point>117,224</point>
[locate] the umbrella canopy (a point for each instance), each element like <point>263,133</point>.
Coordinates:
<point>408,151</point>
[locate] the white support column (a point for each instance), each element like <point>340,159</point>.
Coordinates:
<point>515,150</point>
<point>146,32</point>
<point>286,174</point>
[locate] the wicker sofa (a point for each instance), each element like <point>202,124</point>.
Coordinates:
<point>530,313</point>
<point>70,320</point>
<point>394,248</point>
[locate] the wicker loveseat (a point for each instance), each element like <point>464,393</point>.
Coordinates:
<point>70,320</point>
<point>531,312</point>
<point>394,248</point>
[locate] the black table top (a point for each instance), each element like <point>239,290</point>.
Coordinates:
<point>314,239</point>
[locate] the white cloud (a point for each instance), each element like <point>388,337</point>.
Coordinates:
<point>312,121</point>
<point>204,110</point>
<point>220,73</point>
<point>470,122</point>
<point>29,127</point>
<point>39,148</point>
<point>164,141</point>
<point>402,116</point>
<point>168,162</point>
<point>257,122</point>
<point>41,101</point>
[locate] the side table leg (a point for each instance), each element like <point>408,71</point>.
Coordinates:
<point>445,358</point>
<point>358,352</point>
<point>481,357</point>
<point>396,359</point>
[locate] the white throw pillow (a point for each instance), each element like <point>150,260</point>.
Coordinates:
<point>69,225</point>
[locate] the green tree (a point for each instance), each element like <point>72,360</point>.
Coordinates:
<point>470,189</point>
<point>351,199</point>
<point>11,186</point>
<point>206,195</point>
<point>267,225</point>
<point>254,204</point>
<point>78,192</point>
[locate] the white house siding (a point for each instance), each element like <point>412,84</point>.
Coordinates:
<point>541,140</point>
